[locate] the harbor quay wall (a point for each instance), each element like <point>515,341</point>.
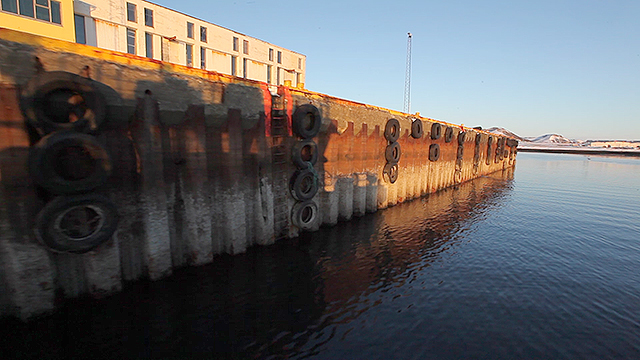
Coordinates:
<point>185,165</point>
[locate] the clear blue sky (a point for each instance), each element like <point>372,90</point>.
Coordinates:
<point>533,67</point>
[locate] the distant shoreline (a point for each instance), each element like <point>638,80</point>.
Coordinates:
<point>582,151</point>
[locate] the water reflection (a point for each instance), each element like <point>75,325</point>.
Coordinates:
<point>272,302</point>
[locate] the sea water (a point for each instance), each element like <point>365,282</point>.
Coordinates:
<point>543,262</point>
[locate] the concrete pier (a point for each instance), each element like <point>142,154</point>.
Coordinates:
<point>202,164</point>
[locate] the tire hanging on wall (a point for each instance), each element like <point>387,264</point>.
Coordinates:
<point>448,134</point>
<point>307,121</point>
<point>303,152</point>
<point>304,214</point>
<point>434,152</point>
<point>68,163</point>
<point>417,129</point>
<point>461,137</point>
<point>436,131</point>
<point>304,184</point>
<point>391,171</point>
<point>76,224</point>
<point>392,130</point>
<point>58,100</point>
<point>392,152</point>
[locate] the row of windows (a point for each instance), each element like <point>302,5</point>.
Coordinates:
<point>131,49</point>
<point>131,14</point>
<point>42,9</point>
<point>203,32</point>
<point>148,19</point>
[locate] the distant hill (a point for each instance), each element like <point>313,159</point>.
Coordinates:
<point>551,138</point>
<point>505,132</point>
<point>556,139</point>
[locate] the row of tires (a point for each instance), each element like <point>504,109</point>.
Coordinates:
<point>67,162</point>
<point>304,183</point>
<point>393,151</point>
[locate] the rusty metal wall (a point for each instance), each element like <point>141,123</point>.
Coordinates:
<point>200,168</point>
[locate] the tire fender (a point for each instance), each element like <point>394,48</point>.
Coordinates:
<point>304,214</point>
<point>303,152</point>
<point>391,171</point>
<point>58,100</point>
<point>69,163</point>
<point>448,134</point>
<point>392,152</point>
<point>436,131</point>
<point>434,152</point>
<point>76,224</point>
<point>392,130</point>
<point>417,129</point>
<point>307,121</point>
<point>304,184</point>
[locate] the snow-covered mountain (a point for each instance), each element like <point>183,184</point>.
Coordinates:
<point>551,138</point>
<point>505,132</point>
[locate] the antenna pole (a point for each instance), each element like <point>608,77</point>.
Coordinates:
<point>407,78</point>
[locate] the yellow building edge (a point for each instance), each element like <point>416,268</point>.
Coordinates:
<point>64,31</point>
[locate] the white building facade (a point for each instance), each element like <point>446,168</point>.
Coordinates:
<point>146,29</point>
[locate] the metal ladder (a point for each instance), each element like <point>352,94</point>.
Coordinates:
<point>279,160</point>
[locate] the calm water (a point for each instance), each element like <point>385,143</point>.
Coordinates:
<point>545,264</point>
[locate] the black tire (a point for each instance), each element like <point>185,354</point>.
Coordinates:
<point>448,134</point>
<point>460,152</point>
<point>461,137</point>
<point>304,214</point>
<point>304,152</point>
<point>434,152</point>
<point>392,130</point>
<point>436,131</point>
<point>391,171</point>
<point>417,129</point>
<point>58,100</point>
<point>392,152</point>
<point>478,138</point>
<point>307,121</point>
<point>512,142</point>
<point>69,163</point>
<point>304,184</point>
<point>76,224</point>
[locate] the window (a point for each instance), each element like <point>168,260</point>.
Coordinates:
<point>148,17</point>
<point>299,63</point>
<point>26,8</point>
<point>244,68</point>
<point>189,30</point>
<point>131,12</point>
<point>203,34</point>
<point>234,59</point>
<point>42,9</point>
<point>235,43</point>
<point>203,58</point>
<point>81,37</point>
<point>55,12</point>
<point>270,54</point>
<point>10,6</point>
<point>269,74</point>
<point>131,41</point>
<point>148,39</point>
<point>245,47</point>
<point>189,55</point>
<point>279,57</point>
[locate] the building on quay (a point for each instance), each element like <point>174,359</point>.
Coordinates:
<point>146,29</point>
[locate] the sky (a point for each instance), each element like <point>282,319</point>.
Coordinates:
<point>533,67</point>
